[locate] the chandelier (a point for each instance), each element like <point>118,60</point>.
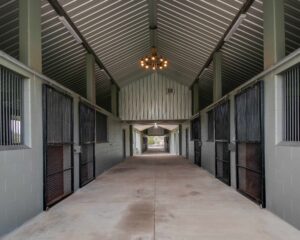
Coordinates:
<point>154,61</point>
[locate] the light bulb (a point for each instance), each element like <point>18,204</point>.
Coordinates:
<point>147,67</point>
<point>161,59</point>
<point>153,58</point>
<point>153,68</point>
<point>146,59</point>
<point>160,67</point>
<point>166,62</point>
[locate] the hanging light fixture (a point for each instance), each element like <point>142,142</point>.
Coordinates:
<point>154,61</point>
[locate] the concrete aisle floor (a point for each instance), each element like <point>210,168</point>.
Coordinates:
<point>156,197</point>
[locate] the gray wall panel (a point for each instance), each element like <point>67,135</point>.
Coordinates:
<point>21,171</point>
<point>147,99</point>
<point>208,148</point>
<point>281,162</point>
<point>186,125</point>
<point>110,153</point>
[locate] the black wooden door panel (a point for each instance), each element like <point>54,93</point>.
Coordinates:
<point>87,142</point>
<point>197,152</point>
<point>196,136</point>
<point>58,145</point>
<point>249,137</point>
<point>222,136</point>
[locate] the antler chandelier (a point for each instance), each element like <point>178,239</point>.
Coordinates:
<point>154,61</point>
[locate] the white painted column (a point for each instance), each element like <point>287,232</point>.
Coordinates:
<point>114,99</point>
<point>274,32</point>
<point>30,33</point>
<point>217,74</point>
<point>90,78</point>
<point>195,99</point>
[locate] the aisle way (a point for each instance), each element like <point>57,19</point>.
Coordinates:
<point>159,197</point>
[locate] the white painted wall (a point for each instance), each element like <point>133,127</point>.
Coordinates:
<point>21,171</point>
<point>137,142</point>
<point>174,141</point>
<point>186,125</point>
<point>208,148</point>
<point>110,153</point>
<point>282,161</point>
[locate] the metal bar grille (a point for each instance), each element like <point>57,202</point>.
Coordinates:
<point>195,129</point>
<point>101,128</point>
<point>58,145</point>
<point>11,108</point>
<point>249,137</point>
<point>222,124</point>
<point>222,136</point>
<point>291,104</point>
<point>197,152</point>
<point>87,141</point>
<point>210,126</point>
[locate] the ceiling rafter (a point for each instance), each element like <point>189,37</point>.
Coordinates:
<point>61,12</point>
<point>220,44</point>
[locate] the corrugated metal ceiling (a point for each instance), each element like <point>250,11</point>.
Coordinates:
<point>9,27</point>
<point>206,87</point>
<point>63,57</point>
<point>292,25</point>
<point>243,54</point>
<point>188,32</point>
<point>118,32</point>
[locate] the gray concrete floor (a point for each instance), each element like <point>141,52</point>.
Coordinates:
<point>156,197</point>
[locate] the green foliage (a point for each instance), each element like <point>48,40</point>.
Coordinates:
<point>150,140</point>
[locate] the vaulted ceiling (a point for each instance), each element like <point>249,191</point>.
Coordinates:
<point>118,32</point>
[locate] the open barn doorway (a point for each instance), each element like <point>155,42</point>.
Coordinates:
<point>156,144</point>
<point>156,138</point>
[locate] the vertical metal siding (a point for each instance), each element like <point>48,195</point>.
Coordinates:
<point>147,99</point>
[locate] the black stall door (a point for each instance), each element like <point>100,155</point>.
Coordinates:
<point>249,136</point>
<point>87,142</point>
<point>196,136</point>
<point>58,145</point>
<point>222,138</point>
<point>197,152</point>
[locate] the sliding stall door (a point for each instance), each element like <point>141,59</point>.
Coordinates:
<point>187,150</point>
<point>87,142</point>
<point>167,144</point>
<point>197,152</point>
<point>58,145</point>
<point>222,137</point>
<point>196,136</point>
<point>250,149</point>
<point>124,142</point>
